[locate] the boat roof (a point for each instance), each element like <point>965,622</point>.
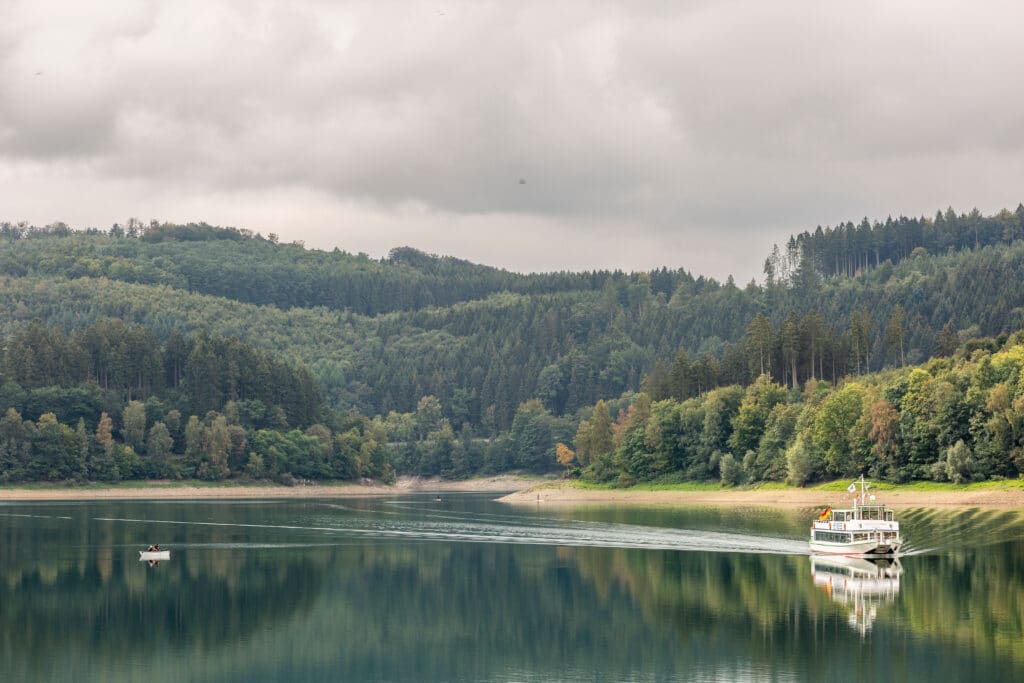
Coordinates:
<point>869,506</point>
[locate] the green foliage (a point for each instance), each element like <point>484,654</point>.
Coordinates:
<point>959,463</point>
<point>957,420</point>
<point>193,319</point>
<point>532,439</point>
<point>749,423</point>
<point>731,471</point>
<point>799,468</point>
<point>832,428</point>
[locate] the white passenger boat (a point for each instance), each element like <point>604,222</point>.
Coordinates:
<point>865,530</point>
<point>154,555</point>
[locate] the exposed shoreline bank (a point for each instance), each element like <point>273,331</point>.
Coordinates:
<point>566,494</point>
<point>185,490</point>
<point>525,491</point>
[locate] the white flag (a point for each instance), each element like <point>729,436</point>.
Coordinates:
<point>852,487</point>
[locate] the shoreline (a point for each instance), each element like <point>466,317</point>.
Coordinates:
<point>171,490</point>
<point>523,490</point>
<point>564,494</point>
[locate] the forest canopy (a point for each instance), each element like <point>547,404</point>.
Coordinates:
<point>197,316</point>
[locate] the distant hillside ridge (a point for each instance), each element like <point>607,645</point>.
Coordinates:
<point>239,265</point>
<point>568,339</point>
<point>849,249</point>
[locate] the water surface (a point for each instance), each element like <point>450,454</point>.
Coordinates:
<point>467,589</point>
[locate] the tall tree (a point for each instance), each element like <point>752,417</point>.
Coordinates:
<point>133,421</point>
<point>790,333</point>
<point>760,339</point>
<point>895,333</point>
<point>601,438</point>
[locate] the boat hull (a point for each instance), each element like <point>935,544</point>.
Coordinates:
<point>149,556</point>
<point>859,549</point>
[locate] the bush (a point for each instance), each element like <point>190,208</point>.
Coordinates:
<point>750,469</point>
<point>624,481</point>
<point>959,463</point>
<point>730,470</point>
<point>798,463</point>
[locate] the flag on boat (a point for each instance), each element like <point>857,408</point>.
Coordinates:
<point>824,515</point>
<point>852,488</point>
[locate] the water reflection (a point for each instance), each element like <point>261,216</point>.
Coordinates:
<point>269,591</point>
<point>861,585</point>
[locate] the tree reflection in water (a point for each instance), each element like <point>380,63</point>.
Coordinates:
<point>243,604</point>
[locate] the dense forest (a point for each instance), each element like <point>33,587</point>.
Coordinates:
<point>952,419</point>
<point>849,249</point>
<point>456,363</point>
<point>111,401</point>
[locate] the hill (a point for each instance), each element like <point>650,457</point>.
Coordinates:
<point>380,335</point>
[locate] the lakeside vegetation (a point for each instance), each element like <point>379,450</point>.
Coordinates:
<point>864,351</point>
<point>957,419</point>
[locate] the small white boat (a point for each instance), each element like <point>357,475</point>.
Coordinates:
<point>865,530</point>
<point>154,555</point>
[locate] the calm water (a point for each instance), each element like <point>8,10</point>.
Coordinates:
<point>467,589</point>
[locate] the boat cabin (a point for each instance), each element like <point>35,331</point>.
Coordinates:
<point>866,529</point>
<point>863,512</point>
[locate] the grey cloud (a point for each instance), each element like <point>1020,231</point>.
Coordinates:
<point>731,119</point>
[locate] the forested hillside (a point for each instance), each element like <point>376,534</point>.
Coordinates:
<point>378,336</point>
<point>238,265</point>
<point>110,402</point>
<point>958,419</point>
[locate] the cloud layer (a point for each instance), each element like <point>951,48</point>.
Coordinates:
<point>530,135</point>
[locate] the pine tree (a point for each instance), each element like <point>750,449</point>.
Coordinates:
<point>790,333</point>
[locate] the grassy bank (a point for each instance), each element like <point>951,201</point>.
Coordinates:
<point>1006,494</point>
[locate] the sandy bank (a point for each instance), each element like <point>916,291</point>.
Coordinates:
<point>567,494</point>
<point>171,490</point>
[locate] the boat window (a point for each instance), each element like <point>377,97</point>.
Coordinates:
<point>831,537</point>
<point>839,516</point>
<point>888,515</point>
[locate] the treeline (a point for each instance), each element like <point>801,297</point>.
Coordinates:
<point>799,349</point>
<point>239,265</point>
<point>425,443</point>
<point>150,442</point>
<point>108,363</point>
<point>110,402</point>
<point>958,419</point>
<point>848,249</point>
<point>482,358</point>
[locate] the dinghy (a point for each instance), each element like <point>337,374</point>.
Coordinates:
<point>154,555</point>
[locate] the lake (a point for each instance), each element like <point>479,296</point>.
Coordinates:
<point>468,589</point>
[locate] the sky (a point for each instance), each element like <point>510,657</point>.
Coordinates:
<point>533,136</point>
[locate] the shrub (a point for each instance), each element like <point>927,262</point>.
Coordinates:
<point>730,470</point>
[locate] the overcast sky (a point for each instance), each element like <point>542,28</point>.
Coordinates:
<point>534,136</point>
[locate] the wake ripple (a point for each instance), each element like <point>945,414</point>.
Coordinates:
<point>575,534</point>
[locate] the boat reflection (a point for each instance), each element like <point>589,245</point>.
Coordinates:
<point>861,584</point>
